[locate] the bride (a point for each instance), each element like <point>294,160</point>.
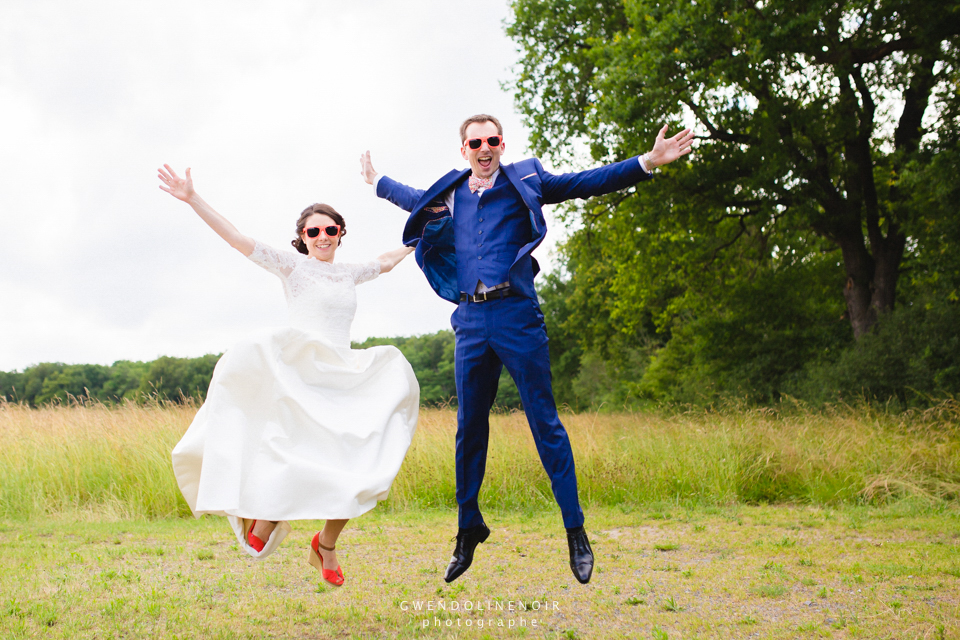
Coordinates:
<point>296,424</point>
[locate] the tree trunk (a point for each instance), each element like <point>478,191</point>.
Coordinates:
<point>858,290</point>
<point>871,286</point>
<point>887,258</point>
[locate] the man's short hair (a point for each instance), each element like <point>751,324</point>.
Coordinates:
<point>480,117</point>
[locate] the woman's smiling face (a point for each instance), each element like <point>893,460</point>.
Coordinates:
<point>323,247</point>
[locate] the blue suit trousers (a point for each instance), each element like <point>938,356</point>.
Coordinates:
<point>490,335</point>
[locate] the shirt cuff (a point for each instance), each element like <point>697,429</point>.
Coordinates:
<point>643,165</point>
<point>376,181</point>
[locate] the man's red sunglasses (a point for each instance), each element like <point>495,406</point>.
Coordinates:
<point>474,143</point>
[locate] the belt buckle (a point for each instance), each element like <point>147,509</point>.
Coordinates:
<point>477,297</point>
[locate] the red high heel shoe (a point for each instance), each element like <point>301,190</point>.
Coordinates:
<point>333,577</point>
<point>253,540</point>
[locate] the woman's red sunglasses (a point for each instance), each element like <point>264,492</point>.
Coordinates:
<point>331,231</point>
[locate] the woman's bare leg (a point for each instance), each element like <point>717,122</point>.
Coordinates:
<point>263,529</point>
<point>328,538</point>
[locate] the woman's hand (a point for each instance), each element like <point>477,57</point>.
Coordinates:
<point>182,189</point>
<point>179,188</point>
<point>392,258</point>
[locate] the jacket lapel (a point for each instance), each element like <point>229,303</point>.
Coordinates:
<point>528,196</point>
<point>420,217</point>
<point>529,199</point>
<point>438,188</point>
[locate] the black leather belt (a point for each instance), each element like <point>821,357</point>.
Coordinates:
<point>495,294</point>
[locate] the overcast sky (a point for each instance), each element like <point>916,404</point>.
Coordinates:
<point>271,104</point>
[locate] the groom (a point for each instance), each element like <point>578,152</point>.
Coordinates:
<point>474,231</point>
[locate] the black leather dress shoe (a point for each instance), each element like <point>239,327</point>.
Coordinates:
<point>581,555</point>
<point>467,541</point>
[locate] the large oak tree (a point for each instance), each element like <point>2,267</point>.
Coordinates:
<point>818,121</point>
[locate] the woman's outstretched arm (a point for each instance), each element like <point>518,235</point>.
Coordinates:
<point>392,258</point>
<point>182,189</point>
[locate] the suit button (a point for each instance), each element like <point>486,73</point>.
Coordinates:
<point>481,219</point>
<point>479,257</point>
<point>479,233</point>
<point>480,207</point>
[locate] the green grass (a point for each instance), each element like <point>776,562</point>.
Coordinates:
<point>770,590</point>
<point>836,523</point>
<point>180,578</point>
<point>115,462</point>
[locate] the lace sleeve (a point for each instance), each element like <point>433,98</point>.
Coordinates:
<point>280,263</point>
<point>365,272</point>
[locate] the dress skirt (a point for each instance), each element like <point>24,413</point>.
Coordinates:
<point>296,428</point>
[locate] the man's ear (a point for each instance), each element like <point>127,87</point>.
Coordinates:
<point>463,151</point>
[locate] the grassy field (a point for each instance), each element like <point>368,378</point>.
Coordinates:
<point>840,523</point>
<point>662,572</point>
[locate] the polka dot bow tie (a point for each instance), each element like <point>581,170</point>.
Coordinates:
<point>479,183</point>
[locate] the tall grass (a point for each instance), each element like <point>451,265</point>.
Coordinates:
<point>835,455</point>
<point>115,462</point>
<point>93,459</point>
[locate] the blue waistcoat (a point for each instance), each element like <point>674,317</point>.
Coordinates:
<point>488,245</point>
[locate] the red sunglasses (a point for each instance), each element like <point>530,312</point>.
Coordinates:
<point>331,231</point>
<point>474,143</point>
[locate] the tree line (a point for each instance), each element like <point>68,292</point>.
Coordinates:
<point>183,379</point>
<point>913,358</point>
<point>166,379</point>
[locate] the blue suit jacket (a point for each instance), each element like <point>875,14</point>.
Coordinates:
<point>430,225</point>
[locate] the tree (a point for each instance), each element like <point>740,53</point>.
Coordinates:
<point>11,386</point>
<point>124,381</point>
<point>587,376</point>
<point>813,115</point>
<point>432,358</point>
<point>33,379</point>
<point>176,379</point>
<point>73,381</point>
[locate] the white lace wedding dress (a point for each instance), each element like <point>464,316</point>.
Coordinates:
<point>296,424</point>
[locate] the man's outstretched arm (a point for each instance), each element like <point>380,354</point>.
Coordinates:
<point>620,175</point>
<point>399,194</point>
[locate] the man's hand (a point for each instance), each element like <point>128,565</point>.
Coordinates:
<point>366,168</point>
<point>666,150</point>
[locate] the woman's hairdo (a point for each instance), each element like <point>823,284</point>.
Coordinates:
<point>324,209</point>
